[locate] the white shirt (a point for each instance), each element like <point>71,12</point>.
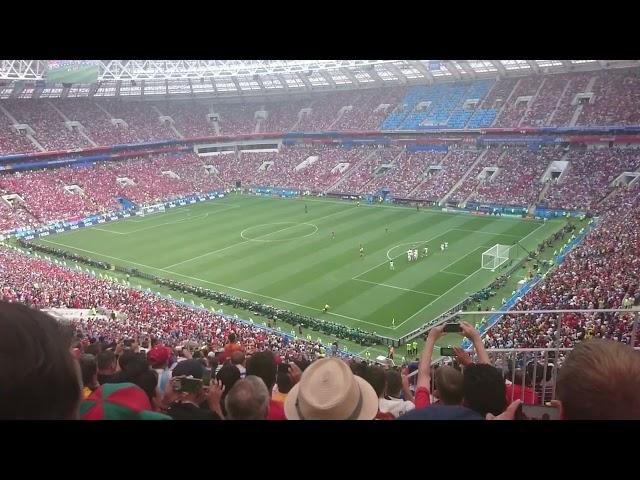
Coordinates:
<point>395,406</point>
<point>243,370</point>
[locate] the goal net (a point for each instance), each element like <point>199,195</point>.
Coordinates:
<point>495,256</point>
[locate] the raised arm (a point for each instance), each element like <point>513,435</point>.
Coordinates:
<point>424,368</point>
<point>473,335</point>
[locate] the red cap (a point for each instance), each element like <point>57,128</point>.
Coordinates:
<point>158,355</point>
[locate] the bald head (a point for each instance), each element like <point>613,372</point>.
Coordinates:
<point>248,400</point>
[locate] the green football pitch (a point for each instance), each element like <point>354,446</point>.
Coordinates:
<point>270,250</point>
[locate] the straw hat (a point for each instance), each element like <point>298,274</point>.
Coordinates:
<point>328,390</point>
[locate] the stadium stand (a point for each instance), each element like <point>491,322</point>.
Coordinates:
<point>601,273</point>
<point>518,180</point>
<point>454,166</point>
<point>407,172</point>
<point>524,92</point>
<point>49,126</point>
<point>47,200</point>
<point>11,141</point>
<point>615,100</point>
<point>597,377</point>
<point>190,119</point>
<point>589,177</point>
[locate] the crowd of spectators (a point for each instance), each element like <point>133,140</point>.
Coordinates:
<point>190,118</point>
<point>567,107</point>
<point>544,103</point>
<point>136,314</point>
<point>469,184</point>
<point>615,102</point>
<point>513,111</point>
<point>407,173</point>
<point>603,272</point>
<point>363,170</point>
<point>11,141</point>
<point>615,96</point>
<point>49,126</point>
<point>96,122</point>
<point>454,166</point>
<point>589,177</point>
<point>81,376</point>
<point>518,180</point>
<point>47,200</point>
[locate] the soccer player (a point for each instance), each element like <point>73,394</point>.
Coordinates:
<point>386,229</point>
<point>391,265</point>
<point>333,235</point>
<point>414,348</point>
<point>442,247</point>
<point>306,210</point>
<point>415,253</point>
<point>361,250</point>
<point>409,255</point>
<point>326,308</point>
<point>425,251</point>
<point>393,322</point>
<point>446,245</point>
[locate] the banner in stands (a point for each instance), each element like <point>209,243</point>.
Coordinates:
<point>60,227</point>
<point>422,147</point>
<point>557,212</point>
<point>278,192</point>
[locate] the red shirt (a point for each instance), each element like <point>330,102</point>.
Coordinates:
<point>422,398</point>
<point>276,410</point>
<point>529,397</point>
<point>229,348</point>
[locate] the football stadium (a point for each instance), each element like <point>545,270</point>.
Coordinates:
<point>332,240</point>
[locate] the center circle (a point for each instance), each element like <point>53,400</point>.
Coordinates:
<point>284,226</point>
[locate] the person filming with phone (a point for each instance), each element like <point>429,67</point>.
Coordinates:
<point>192,394</point>
<point>483,389</point>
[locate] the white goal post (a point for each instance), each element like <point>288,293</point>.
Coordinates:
<point>496,256</point>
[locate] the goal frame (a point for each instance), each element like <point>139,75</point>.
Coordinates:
<point>495,256</point>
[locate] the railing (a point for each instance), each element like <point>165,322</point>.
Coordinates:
<point>530,374</point>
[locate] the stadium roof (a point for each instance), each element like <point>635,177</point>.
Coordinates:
<point>256,77</point>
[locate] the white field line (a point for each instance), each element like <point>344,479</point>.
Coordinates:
<point>184,219</point>
<point>212,283</point>
<point>487,233</point>
<point>461,281</point>
<point>430,212</point>
<point>393,286</point>
<point>532,232</point>
<point>164,214</point>
<point>457,260</point>
<point>417,242</point>
<point>247,241</point>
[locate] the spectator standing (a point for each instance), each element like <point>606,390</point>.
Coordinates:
<point>263,365</point>
<point>396,384</point>
<point>328,390</point>
<point>186,405</point>
<point>248,400</point>
<point>238,360</point>
<point>106,361</point>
